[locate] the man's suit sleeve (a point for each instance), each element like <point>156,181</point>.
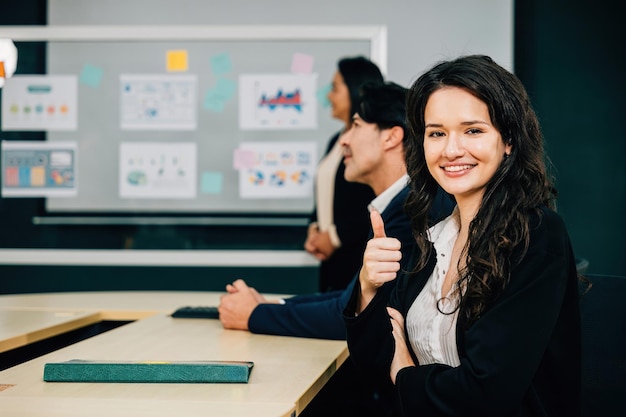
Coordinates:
<point>321,316</point>
<point>318,296</point>
<point>322,319</point>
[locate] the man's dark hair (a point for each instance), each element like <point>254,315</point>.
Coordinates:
<point>383,104</point>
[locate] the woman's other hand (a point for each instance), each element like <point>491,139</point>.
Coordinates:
<point>401,357</point>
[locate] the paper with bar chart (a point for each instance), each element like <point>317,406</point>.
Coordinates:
<point>277,101</point>
<point>39,169</point>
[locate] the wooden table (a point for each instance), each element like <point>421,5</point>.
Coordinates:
<point>112,305</point>
<point>22,327</point>
<point>287,374</point>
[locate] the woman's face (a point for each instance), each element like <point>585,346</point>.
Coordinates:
<point>462,147</point>
<point>339,97</point>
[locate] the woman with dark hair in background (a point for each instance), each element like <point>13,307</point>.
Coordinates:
<point>486,320</point>
<point>339,225</point>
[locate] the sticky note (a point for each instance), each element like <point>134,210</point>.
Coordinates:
<point>243,159</point>
<point>302,63</point>
<point>221,64</point>
<point>2,73</point>
<point>322,95</point>
<point>225,88</point>
<point>177,60</point>
<point>211,182</point>
<point>91,75</point>
<point>213,102</point>
<point>216,98</point>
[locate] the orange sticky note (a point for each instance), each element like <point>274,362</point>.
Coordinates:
<point>1,69</point>
<point>177,60</point>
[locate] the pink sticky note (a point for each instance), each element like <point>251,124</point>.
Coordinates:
<point>302,63</point>
<point>243,159</point>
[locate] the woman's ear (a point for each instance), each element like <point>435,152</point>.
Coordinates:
<point>507,147</point>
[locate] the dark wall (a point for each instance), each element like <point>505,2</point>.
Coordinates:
<point>16,214</point>
<point>566,55</point>
<point>28,279</point>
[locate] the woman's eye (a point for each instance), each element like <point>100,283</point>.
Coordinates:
<point>435,134</point>
<point>474,131</point>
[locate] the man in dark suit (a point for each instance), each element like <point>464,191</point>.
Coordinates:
<point>373,155</point>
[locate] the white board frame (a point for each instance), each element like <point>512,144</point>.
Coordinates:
<point>375,34</point>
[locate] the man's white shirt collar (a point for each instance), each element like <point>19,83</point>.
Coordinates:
<point>381,202</point>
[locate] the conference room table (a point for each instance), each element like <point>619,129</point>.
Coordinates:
<point>288,372</point>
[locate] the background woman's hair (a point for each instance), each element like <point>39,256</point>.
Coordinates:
<point>357,71</point>
<point>499,233</point>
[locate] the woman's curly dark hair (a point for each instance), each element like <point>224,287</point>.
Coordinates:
<point>499,233</point>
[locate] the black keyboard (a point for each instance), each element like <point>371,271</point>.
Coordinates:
<point>197,312</point>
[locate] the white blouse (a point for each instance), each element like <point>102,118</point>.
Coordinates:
<point>432,334</point>
<point>325,191</point>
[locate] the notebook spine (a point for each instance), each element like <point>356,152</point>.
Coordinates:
<point>145,372</point>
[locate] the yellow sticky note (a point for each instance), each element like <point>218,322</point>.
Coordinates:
<point>177,60</point>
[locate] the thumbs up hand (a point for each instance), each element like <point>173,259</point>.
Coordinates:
<point>381,259</point>
<point>378,226</point>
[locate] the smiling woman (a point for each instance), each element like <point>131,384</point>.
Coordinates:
<point>462,148</point>
<point>486,316</point>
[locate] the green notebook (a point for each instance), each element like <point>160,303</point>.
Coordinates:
<point>163,372</point>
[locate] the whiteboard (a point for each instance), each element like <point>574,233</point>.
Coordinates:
<point>215,134</point>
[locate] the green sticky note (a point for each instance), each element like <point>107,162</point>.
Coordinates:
<point>91,75</point>
<point>322,94</point>
<point>211,182</point>
<point>221,64</point>
<point>225,88</point>
<point>213,102</point>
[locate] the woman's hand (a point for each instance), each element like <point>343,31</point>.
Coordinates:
<point>381,261</point>
<point>318,243</point>
<point>311,242</point>
<point>401,357</point>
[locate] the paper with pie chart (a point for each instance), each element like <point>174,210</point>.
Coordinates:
<point>38,102</point>
<point>277,169</point>
<point>158,170</point>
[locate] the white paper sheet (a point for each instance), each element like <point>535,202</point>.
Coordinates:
<point>277,101</point>
<point>158,170</point>
<point>280,170</point>
<point>158,102</point>
<point>39,169</point>
<point>40,102</point>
